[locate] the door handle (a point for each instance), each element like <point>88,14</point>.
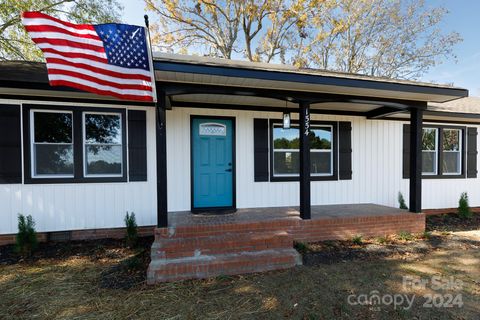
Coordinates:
<point>228,170</point>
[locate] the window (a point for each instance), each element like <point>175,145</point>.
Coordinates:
<point>429,151</point>
<point>442,151</point>
<point>103,144</point>
<point>52,144</point>
<point>68,144</point>
<point>286,153</point>
<point>452,151</point>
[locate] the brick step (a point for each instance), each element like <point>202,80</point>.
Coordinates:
<point>220,229</point>
<point>163,270</point>
<point>171,248</point>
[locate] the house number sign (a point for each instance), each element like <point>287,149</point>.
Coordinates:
<point>307,122</point>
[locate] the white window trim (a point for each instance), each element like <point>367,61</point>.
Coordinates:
<point>84,146</point>
<point>434,173</point>
<point>317,126</point>
<point>33,157</point>
<point>459,172</point>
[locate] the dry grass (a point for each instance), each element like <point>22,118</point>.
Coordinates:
<point>69,288</point>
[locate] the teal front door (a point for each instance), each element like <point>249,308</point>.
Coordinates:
<point>212,163</point>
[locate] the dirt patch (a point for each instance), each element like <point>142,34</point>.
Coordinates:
<point>452,222</point>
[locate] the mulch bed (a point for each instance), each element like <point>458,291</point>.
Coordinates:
<point>452,222</point>
<point>129,265</point>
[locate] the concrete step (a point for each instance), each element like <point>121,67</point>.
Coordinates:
<point>171,248</point>
<point>206,266</point>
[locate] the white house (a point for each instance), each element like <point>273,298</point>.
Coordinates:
<point>216,143</point>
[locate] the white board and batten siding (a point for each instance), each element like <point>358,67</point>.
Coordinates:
<point>376,165</point>
<point>77,206</point>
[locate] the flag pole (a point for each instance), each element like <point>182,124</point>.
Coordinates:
<point>150,58</point>
<point>161,144</point>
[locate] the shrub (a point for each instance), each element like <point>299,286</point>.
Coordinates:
<point>401,201</point>
<point>131,236</point>
<point>463,206</point>
<point>26,240</point>
<point>382,240</point>
<point>405,236</point>
<point>357,240</point>
<point>301,247</point>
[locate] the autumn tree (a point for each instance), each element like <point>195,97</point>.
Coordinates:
<point>390,38</point>
<point>15,42</point>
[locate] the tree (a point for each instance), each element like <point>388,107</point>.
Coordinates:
<point>389,38</point>
<point>257,30</point>
<point>15,44</point>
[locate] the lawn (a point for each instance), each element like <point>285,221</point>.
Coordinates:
<point>104,280</point>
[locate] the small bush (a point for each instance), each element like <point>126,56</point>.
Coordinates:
<point>405,236</point>
<point>401,201</point>
<point>426,235</point>
<point>358,240</point>
<point>131,236</point>
<point>26,240</point>
<point>382,240</point>
<point>301,247</point>
<point>463,206</point>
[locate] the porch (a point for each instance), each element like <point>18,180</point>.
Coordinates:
<point>261,239</point>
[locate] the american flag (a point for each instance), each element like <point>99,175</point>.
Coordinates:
<point>108,59</point>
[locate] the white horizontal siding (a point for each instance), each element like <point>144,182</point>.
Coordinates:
<point>57,207</point>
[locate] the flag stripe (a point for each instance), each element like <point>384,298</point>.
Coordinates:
<point>47,28</point>
<point>84,76</point>
<point>68,43</point>
<point>129,81</point>
<point>68,49</point>
<point>97,66</point>
<point>108,62</point>
<point>95,84</point>
<point>41,17</point>
<point>50,52</point>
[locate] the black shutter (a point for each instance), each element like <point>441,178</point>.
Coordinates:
<point>137,145</point>
<point>260,146</point>
<point>406,151</point>
<point>10,144</point>
<point>472,152</point>
<point>345,150</point>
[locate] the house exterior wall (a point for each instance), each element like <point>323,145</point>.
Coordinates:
<point>376,166</point>
<point>76,206</point>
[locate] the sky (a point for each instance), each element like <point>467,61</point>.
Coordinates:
<point>463,18</point>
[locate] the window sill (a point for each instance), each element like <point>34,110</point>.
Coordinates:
<point>446,176</point>
<point>312,178</point>
<point>29,180</point>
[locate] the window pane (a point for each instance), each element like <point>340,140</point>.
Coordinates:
<point>285,162</point>
<point>451,140</point>
<point>429,138</point>
<point>429,162</point>
<point>321,162</point>
<point>103,128</point>
<point>104,159</point>
<point>321,138</point>
<point>53,127</point>
<point>286,138</point>
<point>451,162</point>
<point>53,159</point>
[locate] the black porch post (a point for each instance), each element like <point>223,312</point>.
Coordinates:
<point>161,140</point>
<point>305,210</point>
<point>416,160</point>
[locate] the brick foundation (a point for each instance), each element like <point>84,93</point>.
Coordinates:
<point>207,250</point>
<point>89,234</point>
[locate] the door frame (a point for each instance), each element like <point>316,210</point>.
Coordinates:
<point>233,207</point>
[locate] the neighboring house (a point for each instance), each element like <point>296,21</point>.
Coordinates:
<point>77,161</point>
